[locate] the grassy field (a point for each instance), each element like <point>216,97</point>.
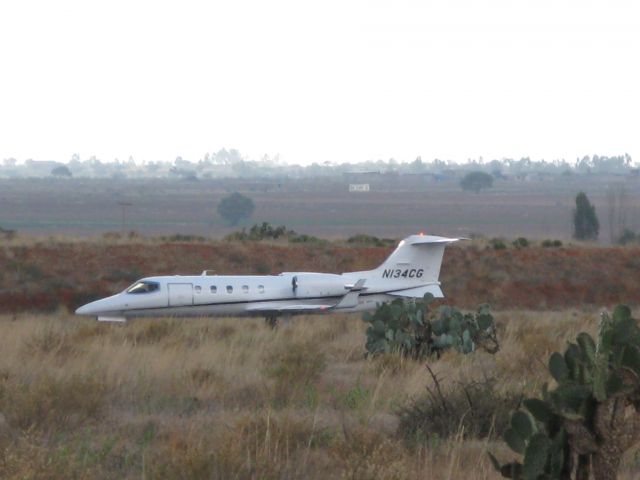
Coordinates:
<point>231,398</point>
<point>395,207</point>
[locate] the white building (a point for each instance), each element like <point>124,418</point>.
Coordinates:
<point>358,187</point>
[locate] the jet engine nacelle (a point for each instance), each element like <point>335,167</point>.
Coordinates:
<point>318,285</point>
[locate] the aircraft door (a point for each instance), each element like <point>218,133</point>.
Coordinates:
<point>180,294</point>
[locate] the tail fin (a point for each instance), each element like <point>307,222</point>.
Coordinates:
<point>414,266</point>
<point>419,256</point>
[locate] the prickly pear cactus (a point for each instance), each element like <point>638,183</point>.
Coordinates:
<point>411,328</point>
<point>398,327</point>
<point>585,423</point>
<point>465,332</point>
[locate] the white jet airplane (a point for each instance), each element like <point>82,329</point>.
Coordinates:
<point>409,272</point>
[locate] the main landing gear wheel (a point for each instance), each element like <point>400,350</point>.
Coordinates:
<point>271,320</point>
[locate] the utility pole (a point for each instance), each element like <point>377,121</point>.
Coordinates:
<point>124,206</point>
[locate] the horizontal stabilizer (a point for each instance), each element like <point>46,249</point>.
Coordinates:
<point>419,292</point>
<point>422,239</point>
<point>350,300</point>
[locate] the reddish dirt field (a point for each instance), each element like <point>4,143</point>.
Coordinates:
<point>47,275</point>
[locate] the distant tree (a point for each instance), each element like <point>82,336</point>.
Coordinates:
<point>628,236</point>
<point>417,165</point>
<point>61,171</point>
<point>235,207</point>
<point>617,210</point>
<point>476,181</point>
<point>585,221</point>
<point>7,234</point>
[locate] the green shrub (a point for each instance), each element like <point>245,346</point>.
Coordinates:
<point>180,237</point>
<point>257,232</point>
<point>521,242</point>
<point>237,236</point>
<point>362,239</point>
<point>551,243</point>
<point>265,231</point>
<point>497,244</point>
<point>303,238</point>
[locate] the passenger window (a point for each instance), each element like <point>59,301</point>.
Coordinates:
<point>245,289</point>
<point>213,289</point>
<point>260,288</point>
<point>229,289</point>
<point>198,289</point>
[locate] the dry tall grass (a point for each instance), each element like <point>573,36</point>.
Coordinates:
<point>230,398</point>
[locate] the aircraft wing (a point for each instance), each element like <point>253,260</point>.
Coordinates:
<point>349,300</point>
<point>302,308</point>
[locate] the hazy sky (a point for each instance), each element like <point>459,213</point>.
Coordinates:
<point>319,81</point>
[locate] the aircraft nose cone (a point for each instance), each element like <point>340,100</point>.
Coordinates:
<point>99,307</point>
<point>88,309</point>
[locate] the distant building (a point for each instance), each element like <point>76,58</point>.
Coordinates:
<point>359,187</point>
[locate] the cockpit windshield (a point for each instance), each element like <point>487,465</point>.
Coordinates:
<point>144,287</point>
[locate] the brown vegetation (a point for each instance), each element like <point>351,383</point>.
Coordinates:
<point>231,398</point>
<point>41,275</point>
